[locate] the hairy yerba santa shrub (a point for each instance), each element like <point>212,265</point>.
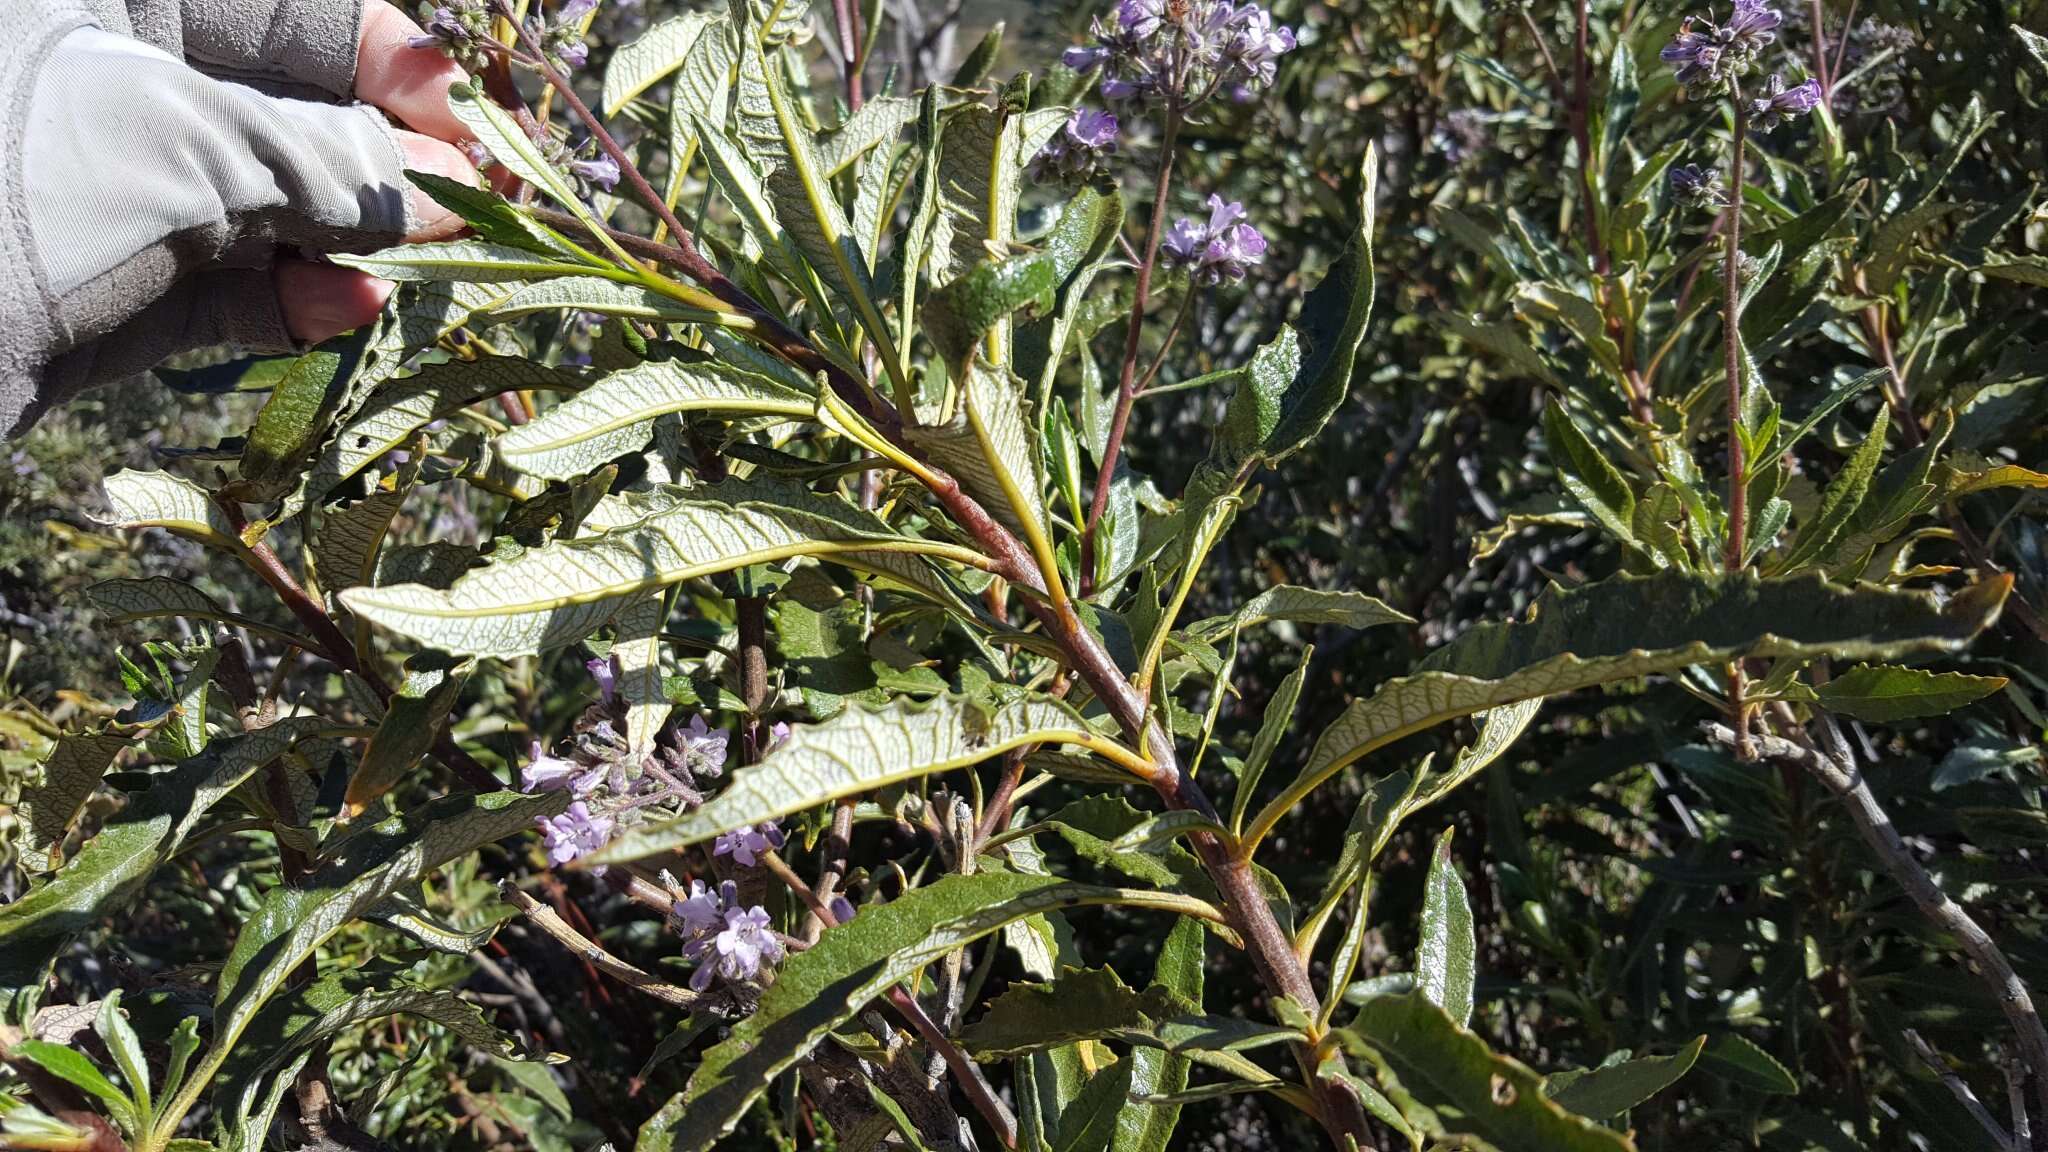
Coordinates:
<point>723,584</point>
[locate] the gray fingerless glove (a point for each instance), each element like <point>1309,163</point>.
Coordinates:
<point>148,200</point>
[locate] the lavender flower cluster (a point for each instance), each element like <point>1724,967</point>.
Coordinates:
<point>727,940</point>
<point>462,29</point>
<point>1222,248</point>
<point>1709,59</point>
<point>1182,52</point>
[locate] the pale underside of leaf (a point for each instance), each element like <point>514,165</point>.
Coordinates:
<point>857,751</point>
<point>559,594</point>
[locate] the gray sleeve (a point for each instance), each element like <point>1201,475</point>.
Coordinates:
<point>302,41</point>
<point>147,206</point>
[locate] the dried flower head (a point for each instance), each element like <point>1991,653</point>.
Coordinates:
<point>1693,186</point>
<point>1707,57</point>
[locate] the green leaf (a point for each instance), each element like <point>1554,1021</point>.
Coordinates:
<point>400,408</point>
<point>1163,829</point>
<point>642,62</point>
<point>1281,416</point>
<point>1446,957</point>
<point>126,1048</point>
<point>990,448</point>
<point>614,416</point>
<point>71,1066</point>
<point>818,989</point>
<point>1612,1089</point>
<point>1273,725</point>
<point>413,720</point>
<point>591,294</point>
<point>402,914</point>
<point>1596,484</point>
<point>857,751</point>
<point>173,503</point>
<point>1081,1004</point>
<point>1840,501</point>
<point>1631,626</point>
<point>510,146</point>
<point>982,155</point>
<point>1469,1088</point>
<point>296,417</point>
<point>1148,1127</point>
<point>467,260</point>
<point>1298,605</point>
<point>371,865</point>
<point>156,597</point>
<point>957,316</point>
<point>876,122</point>
<point>71,773</point>
<point>112,867</point>
<point>981,60</point>
<point>490,216</point>
<point>1887,693</point>
<point>1088,1123</point>
<point>1740,1062</point>
<point>563,592</point>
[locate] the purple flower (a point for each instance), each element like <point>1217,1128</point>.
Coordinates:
<point>1707,56</point>
<point>704,748</point>
<point>842,909</point>
<point>600,668</point>
<point>1189,50</point>
<point>544,773</point>
<point>570,57</point>
<point>747,845</point>
<point>1696,187</point>
<point>1078,148</point>
<point>740,949</point>
<point>1752,27</point>
<point>702,912</point>
<point>1778,103</point>
<point>1223,248</point>
<point>777,733</point>
<point>573,11</point>
<point>457,27</point>
<point>576,832</point>
<point>602,171</point>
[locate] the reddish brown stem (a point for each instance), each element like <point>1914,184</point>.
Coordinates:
<point>1127,374</point>
<point>1582,95</point>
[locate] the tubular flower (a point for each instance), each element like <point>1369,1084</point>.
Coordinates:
<point>1183,52</point>
<point>1223,248</point>
<point>1078,149</point>
<point>1777,103</point>
<point>1707,57</point>
<point>747,845</point>
<point>576,832</point>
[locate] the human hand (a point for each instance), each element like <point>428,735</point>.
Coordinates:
<point>411,85</point>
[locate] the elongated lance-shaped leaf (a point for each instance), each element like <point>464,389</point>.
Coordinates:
<point>629,399</point>
<point>637,649</point>
<point>989,447</point>
<point>981,174</point>
<point>401,913</point>
<point>857,751</point>
<point>818,989</point>
<point>412,721</point>
<point>642,62</point>
<point>1303,606</point>
<point>1612,1089</point>
<point>562,592</point>
<point>365,870</point>
<point>71,773</point>
<point>1631,626</point>
<point>1143,1126</point>
<point>1593,481</point>
<point>805,204</point>
<point>113,865</point>
<point>1844,495</point>
<point>297,416</point>
<point>476,261</point>
<point>173,503</point>
<point>701,91</point>
<point>399,408</point>
<point>1088,1122</point>
<point>875,122</point>
<point>1887,693</point>
<point>123,601</point>
<point>595,294</point>
<point>1467,1086</point>
<point>1274,414</point>
<point>1447,956</point>
<point>1273,727</point>
<point>510,146</point>
<point>957,316</point>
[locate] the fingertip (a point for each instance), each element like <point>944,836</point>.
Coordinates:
<point>321,301</point>
<point>426,154</point>
<point>409,83</point>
